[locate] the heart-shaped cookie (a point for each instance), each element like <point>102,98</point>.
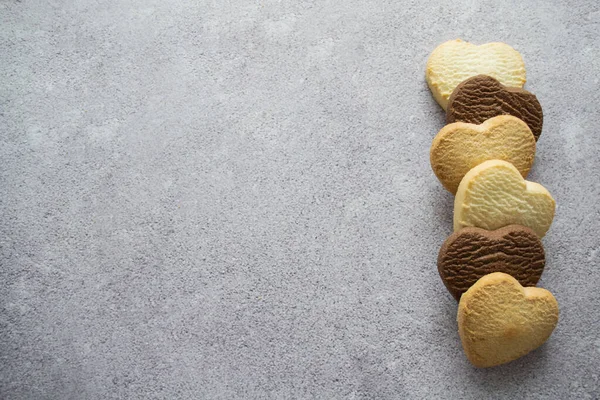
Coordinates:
<point>482,97</point>
<point>460,146</point>
<point>494,194</point>
<point>454,61</point>
<point>499,320</point>
<point>472,253</point>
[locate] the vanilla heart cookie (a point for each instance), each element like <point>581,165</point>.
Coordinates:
<point>499,320</point>
<point>454,61</point>
<point>494,194</point>
<point>482,97</point>
<point>472,253</point>
<point>460,146</point>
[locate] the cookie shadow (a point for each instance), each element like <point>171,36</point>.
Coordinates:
<point>433,108</point>
<point>510,379</point>
<point>443,208</point>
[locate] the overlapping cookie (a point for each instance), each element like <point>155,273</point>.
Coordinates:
<point>460,146</point>
<point>471,253</point>
<point>454,61</point>
<point>494,194</point>
<point>482,97</point>
<point>495,257</point>
<point>499,320</point>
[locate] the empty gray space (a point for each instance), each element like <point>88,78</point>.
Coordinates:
<point>233,199</point>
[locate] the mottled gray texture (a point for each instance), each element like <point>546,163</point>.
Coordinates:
<point>233,199</point>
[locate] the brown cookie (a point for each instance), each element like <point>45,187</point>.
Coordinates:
<point>471,253</point>
<point>482,97</point>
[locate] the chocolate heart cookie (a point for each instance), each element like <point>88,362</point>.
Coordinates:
<point>472,253</point>
<point>482,97</point>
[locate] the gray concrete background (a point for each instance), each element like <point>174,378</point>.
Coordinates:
<point>233,199</point>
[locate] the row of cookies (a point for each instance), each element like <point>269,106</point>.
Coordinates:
<point>494,258</point>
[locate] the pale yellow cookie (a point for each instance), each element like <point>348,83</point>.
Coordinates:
<point>494,194</point>
<point>460,146</point>
<point>499,320</point>
<point>454,61</point>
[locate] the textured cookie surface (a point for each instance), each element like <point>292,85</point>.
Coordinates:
<point>454,61</point>
<point>460,146</point>
<point>482,97</point>
<point>471,253</point>
<point>494,194</point>
<point>500,321</point>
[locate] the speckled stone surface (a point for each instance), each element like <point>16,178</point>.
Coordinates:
<point>233,199</point>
